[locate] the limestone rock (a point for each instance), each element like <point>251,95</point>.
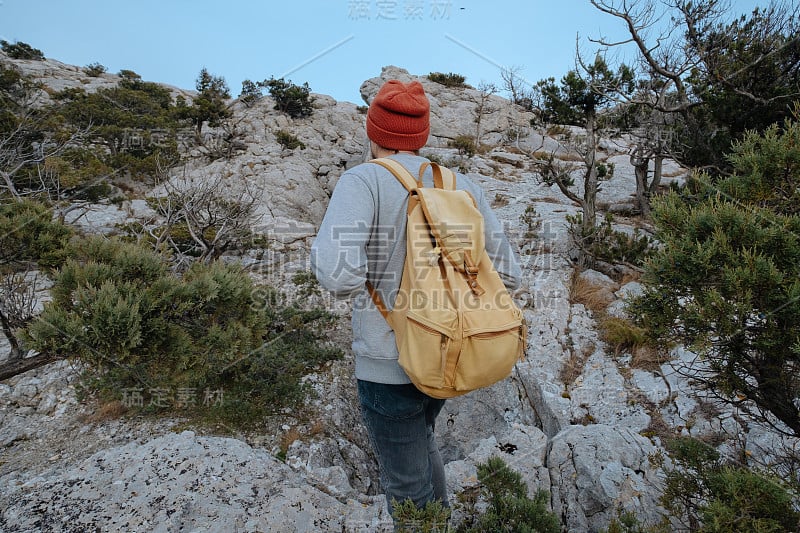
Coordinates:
<point>600,395</point>
<point>178,481</point>
<point>336,465</point>
<point>596,470</point>
<point>57,76</point>
<point>466,420</point>
<point>524,449</point>
<point>630,290</point>
<point>517,160</point>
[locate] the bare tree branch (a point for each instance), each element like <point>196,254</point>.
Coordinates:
<point>18,299</point>
<point>217,212</point>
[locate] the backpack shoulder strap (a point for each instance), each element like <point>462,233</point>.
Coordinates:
<point>399,172</point>
<point>376,299</point>
<point>443,177</point>
<point>407,180</point>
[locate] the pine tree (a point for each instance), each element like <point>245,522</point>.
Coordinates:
<point>726,278</point>
<point>211,105</point>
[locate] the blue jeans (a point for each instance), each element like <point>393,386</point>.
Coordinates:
<point>400,421</point>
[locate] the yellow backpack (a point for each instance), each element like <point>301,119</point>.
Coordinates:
<point>456,326</point>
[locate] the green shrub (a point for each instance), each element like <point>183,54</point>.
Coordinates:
<point>94,69</point>
<point>465,144</point>
<point>211,103</point>
<point>30,239</point>
<point>294,100</point>
<point>430,519</point>
<point>621,335</point>
<point>307,283</point>
<point>605,171</point>
<point>12,88</point>
<point>710,496</point>
<point>20,50</point>
<point>137,326</point>
<point>78,173</point>
<point>28,233</point>
<point>146,167</point>
<point>251,93</point>
<point>448,80</point>
<point>724,280</point>
<point>289,141</point>
<point>603,243</point>
<point>510,509</point>
<point>136,123</point>
<point>434,158</point>
<point>127,74</point>
<point>532,221</point>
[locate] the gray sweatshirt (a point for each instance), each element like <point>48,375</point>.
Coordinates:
<point>363,236</point>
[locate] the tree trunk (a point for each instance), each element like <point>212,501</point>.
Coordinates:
<point>658,165</point>
<point>18,366</point>
<point>9,183</point>
<point>16,350</point>
<point>589,201</point>
<point>640,165</point>
<point>590,178</point>
<point>774,392</point>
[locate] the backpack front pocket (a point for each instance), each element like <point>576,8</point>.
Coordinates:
<point>493,342</point>
<point>423,350</point>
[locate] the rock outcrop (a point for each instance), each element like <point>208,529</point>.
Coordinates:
<point>183,481</point>
<point>575,418</point>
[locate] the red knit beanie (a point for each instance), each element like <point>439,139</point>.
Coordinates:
<point>399,116</point>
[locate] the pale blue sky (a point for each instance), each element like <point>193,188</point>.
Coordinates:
<point>333,45</point>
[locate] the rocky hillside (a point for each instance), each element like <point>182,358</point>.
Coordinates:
<point>575,418</point>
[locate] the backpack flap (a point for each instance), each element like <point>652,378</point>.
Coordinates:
<point>457,225</point>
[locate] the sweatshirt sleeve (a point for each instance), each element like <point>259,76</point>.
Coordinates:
<point>338,254</point>
<point>501,253</point>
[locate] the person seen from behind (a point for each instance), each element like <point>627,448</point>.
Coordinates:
<point>362,238</point>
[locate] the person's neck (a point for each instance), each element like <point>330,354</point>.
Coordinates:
<point>381,152</point>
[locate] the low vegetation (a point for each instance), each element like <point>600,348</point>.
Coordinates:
<point>289,141</point>
<point>290,98</point>
<point>142,332</point>
<point>499,502</point>
<point>448,80</point>
<point>724,280</point>
<point>707,494</point>
<point>604,244</point>
<point>465,144</point>
<point>532,222</point>
<point>20,50</point>
<point>94,69</point>
<point>509,507</point>
<point>294,100</point>
<point>30,239</point>
<point>132,129</point>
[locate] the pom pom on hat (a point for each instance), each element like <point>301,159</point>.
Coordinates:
<point>399,116</point>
